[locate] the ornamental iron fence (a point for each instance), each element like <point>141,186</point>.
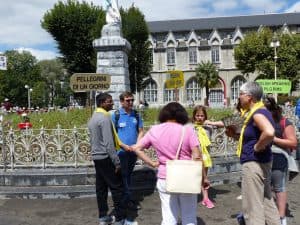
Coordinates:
<point>46,148</point>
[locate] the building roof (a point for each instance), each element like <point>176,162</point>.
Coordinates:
<point>224,22</point>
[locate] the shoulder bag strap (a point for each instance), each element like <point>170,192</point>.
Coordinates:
<point>180,143</point>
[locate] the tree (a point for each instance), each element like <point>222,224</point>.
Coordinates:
<point>207,76</point>
<point>22,70</point>
<point>254,54</point>
<point>135,30</point>
<point>74,26</point>
<point>57,80</point>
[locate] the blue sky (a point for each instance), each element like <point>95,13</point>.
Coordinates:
<point>20,20</point>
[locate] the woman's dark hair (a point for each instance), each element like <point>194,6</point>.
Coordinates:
<point>275,109</point>
<point>196,109</point>
<point>173,111</point>
<point>238,106</point>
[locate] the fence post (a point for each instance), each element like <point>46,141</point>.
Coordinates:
<point>2,142</point>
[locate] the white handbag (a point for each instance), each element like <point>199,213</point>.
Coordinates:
<point>183,176</point>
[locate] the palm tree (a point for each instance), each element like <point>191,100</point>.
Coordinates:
<point>207,76</point>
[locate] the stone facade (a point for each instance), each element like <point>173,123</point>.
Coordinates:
<point>182,44</point>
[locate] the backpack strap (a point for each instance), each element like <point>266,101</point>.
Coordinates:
<point>137,116</point>
<point>117,117</point>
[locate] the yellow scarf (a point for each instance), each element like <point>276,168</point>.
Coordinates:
<point>204,143</point>
<point>116,137</point>
<point>202,136</point>
<point>248,116</point>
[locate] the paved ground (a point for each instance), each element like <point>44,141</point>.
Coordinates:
<point>83,211</point>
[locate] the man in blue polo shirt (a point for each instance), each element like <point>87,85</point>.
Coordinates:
<point>129,126</point>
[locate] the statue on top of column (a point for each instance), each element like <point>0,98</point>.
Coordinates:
<point>113,15</point>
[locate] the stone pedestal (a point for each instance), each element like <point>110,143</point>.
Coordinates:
<point>112,59</point>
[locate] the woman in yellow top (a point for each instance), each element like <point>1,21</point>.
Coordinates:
<point>203,128</point>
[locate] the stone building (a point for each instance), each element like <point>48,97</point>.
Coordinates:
<point>182,44</point>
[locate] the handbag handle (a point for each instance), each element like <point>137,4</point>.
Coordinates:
<point>180,143</point>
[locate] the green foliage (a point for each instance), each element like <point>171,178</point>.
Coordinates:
<point>57,91</point>
<point>67,120</point>
<point>74,26</point>
<point>39,94</point>
<point>79,118</point>
<point>207,76</point>
<point>22,69</point>
<point>150,115</point>
<point>135,30</point>
<point>254,54</point>
<point>218,114</point>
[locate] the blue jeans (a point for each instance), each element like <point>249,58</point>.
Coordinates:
<point>128,160</point>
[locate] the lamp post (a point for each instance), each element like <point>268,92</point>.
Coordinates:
<point>136,89</point>
<point>28,95</point>
<point>275,44</point>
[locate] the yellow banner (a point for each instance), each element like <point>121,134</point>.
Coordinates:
<point>176,79</point>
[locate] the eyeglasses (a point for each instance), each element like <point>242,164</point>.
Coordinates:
<point>129,100</point>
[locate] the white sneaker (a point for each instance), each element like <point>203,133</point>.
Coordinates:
<point>127,222</point>
<point>106,220</point>
<point>121,222</point>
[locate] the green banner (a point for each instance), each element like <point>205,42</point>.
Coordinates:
<point>276,86</point>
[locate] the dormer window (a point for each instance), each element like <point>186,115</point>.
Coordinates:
<point>170,55</point>
<point>215,54</point>
<point>193,54</point>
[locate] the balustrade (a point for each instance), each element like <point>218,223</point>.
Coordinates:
<point>44,148</point>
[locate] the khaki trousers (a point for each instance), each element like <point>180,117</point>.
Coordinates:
<point>258,205</point>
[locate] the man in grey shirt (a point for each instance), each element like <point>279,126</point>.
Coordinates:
<point>106,161</point>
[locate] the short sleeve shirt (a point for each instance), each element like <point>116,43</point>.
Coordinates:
<point>127,126</point>
<point>165,138</point>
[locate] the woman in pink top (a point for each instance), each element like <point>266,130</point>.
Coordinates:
<point>164,138</point>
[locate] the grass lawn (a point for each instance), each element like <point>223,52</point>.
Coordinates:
<point>79,118</point>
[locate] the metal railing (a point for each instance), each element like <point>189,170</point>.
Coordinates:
<point>44,148</point>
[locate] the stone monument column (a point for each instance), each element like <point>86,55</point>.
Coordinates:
<point>112,54</point>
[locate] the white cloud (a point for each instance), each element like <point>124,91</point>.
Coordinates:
<point>224,5</point>
<point>20,20</point>
<point>39,54</point>
<point>264,6</point>
<point>175,9</point>
<point>294,8</point>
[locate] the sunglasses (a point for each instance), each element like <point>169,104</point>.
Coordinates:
<point>129,100</point>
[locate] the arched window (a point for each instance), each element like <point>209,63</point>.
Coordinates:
<point>216,95</point>
<point>193,90</point>
<point>235,88</point>
<point>169,95</point>
<point>150,91</point>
